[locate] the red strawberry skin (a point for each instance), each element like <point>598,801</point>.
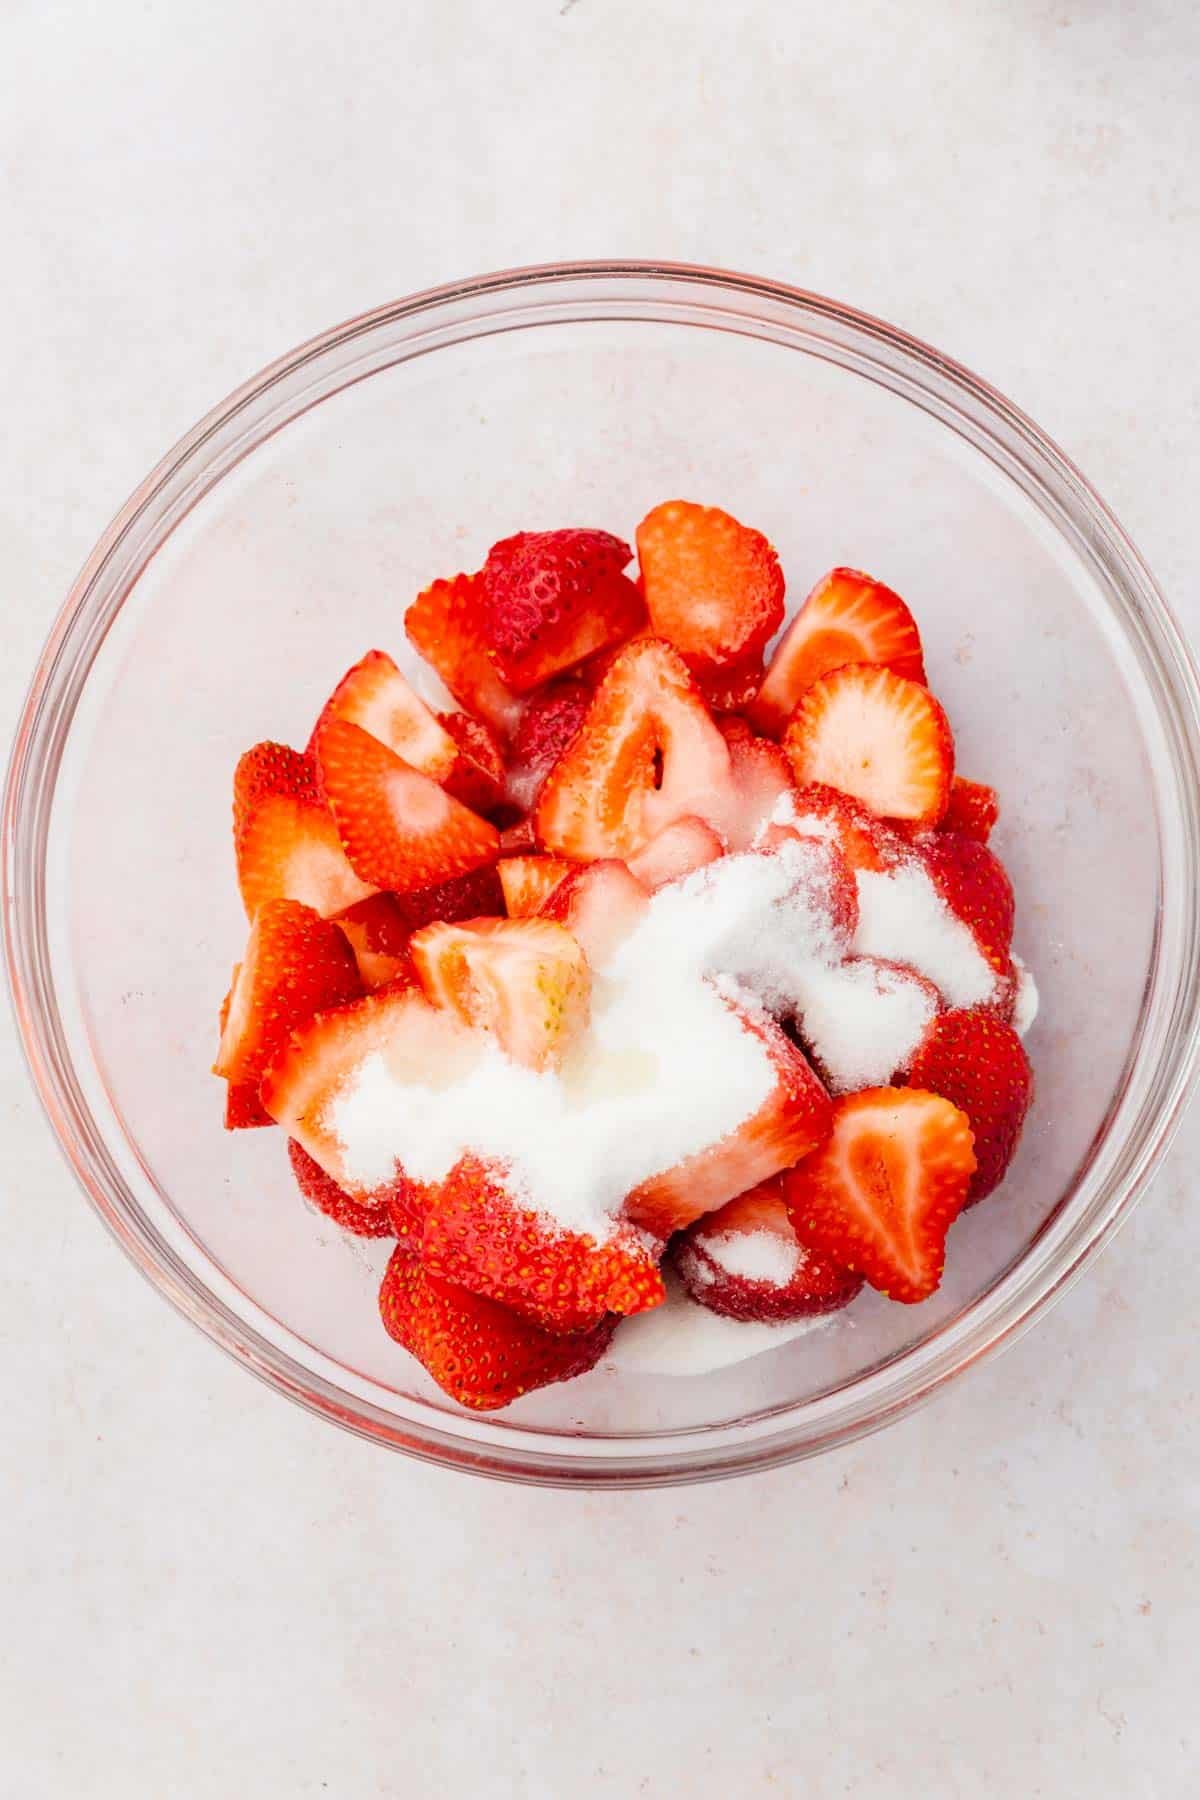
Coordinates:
<point>553,598</point>
<point>976,1061</point>
<point>361,1217</point>
<point>973,809</point>
<point>444,623</point>
<point>547,729</point>
<point>478,1352</point>
<point>478,775</point>
<point>975,886</point>
<point>818,1285</point>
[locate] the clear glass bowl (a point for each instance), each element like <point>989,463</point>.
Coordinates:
<point>286,534</point>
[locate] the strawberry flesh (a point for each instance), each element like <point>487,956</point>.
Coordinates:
<point>973,809</point>
<point>732,1260</point>
<point>529,881</point>
<point>284,836</point>
<point>878,737</point>
<point>375,696</point>
<point>524,982</point>
<point>478,776</point>
<point>444,624</point>
<point>713,586</point>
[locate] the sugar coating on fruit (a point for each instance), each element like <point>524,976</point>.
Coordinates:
<point>681,1338</point>
<point>863,1021</point>
<point>765,1256</point>
<point>904,919</point>
<point>1026,1002</point>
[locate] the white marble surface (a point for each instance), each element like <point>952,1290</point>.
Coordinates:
<point>208,1593</point>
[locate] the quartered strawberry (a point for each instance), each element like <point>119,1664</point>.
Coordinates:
<point>733,688</point>
<point>375,696</point>
<point>881,1194</point>
<point>478,776</point>
<point>600,904</point>
<point>975,886</point>
<point>479,1353</point>
<point>680,848</point>
<point>378,933</point>
<point>529,881</point>
<point>746,1262</point>
<point>243,1108</point>
<point>284,837</point>
<point>862,838</point>
<point>792,1121</point>
<point>552,598</point>
<point>713,587</point>
<point>646,754</point>
<point>976,1061</point>
<point>444,624</point>
<point>973,809</point>
<point>848,618</point>
<point>548,725</point>
<point>364,1218</point>
<point>525,982</point>
<point>399,829</point>
<point>295,964</point>
<point>876,736</point>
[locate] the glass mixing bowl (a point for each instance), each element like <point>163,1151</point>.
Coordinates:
<point>286,534</point>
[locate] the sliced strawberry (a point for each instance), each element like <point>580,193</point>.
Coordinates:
<point>646,754</point>
<point>975,886</point>
<point>478,1233</point>
<point>713,587</point>
<point>863,839</point>
<point>881,1195</point>
<point>678,849</point>
<point>876,736</point>
<point>548,726</point>
<point>848,618</point>
<point>363,1218</point>
<point>552,598</point>
<point>479,1353</point>
<point>525,982</point>
<point>976,1061</point>
<point>973,809</point>
<point>746,1262</point>
<point>243,1108</point>
<point>732,689</point>
<point>478,777</point>
<point>529,881</point>
<point>375,696</point>
<point>792,1121</point>
<point>285,840</point>
<point>444,624</point>
<point>378,931</point>
<point>600,904</point>
<point>295,965</point>
<point>399,829</point>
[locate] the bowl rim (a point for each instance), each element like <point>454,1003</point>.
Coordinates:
<point>914,1375</point>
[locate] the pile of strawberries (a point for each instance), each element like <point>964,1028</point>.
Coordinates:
<point>416,878</point>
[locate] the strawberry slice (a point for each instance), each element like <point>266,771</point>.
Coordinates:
<point>975,886</point>
<point>746,1262</point>
<point>478,776</point>
<point>364,1218</point>
<point>792,1121</point>
<point>479,1353</point>
<point>399,829</point>
<point>976,1061</point>
<point>646,754</point>
<point>476,1232</point>
<point>848,618</point>
<point>973,809</point>
<point>284,837</point>
<point>443,623</point>
<point>525,982</point>
<point>876,736</point>
<point>529,881</point>
<point>881,1195</point>
<point>548,726</point>
<point>295,965</point>
<point>552,598</point>
<point>600,904</point>
<point>678,849</point>
<point>713,587</point>
<point>375,696</point>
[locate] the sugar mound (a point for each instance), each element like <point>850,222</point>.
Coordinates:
<point>1025,1006</point>
<point>863,1020</point>
<point>903,918</point>
<point>764,1256</point>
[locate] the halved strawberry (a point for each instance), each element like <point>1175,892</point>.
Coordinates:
<point>876,736</point>
<point>295,964</point>
<point>375,696</point>
<point>746,1262</point>
<point>479,1353</point>
<point>881,1194</point>
<point>600,904</point>
<point>478,1233</point>
<point>864,841</point>
<point>976,1061</point>
<point>973,809</point>
<point>365,1218</point>
<point>284,837</point>
<point>713,587</point>
<point>478,776</point>
<point>792,1121</point>
<point>444,624</point>
<point>678,849</point>
<point>529,881</point>
<point>378,933</point>
<point>548,725</point>
<point>646,754</point>
<point>399,829</point>
<point>975,886</point>
<point>552,598</point>
<point>525,982</point>
<point>848,618</point>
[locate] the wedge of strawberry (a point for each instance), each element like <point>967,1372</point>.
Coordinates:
<point>881,1194</point>
<point>377,931</point>
<point>295,965</point>
<point>243,1108</point>
<point>525,982</point>
<point>975,886</point>
<point>713,586</point>
<point>548,726</point>
<point>478,776</point>
<point>792,1121</point>
<point>600,904</point>
<point>529,881</point>
<point>553,598</point>
<point>284,836</point>
<point>646,754</point>
<point>375,696</point>
<point>976,1061</point>
<point>678,849</point>
<point>478,1233</point>
<point>362,1217</point>
<point>745,1261</point>
<point>399,829</point>
<point>878,737</point>
<point>479,1353</point>
<point>444,623</point>
<point>847,618</point>
<point>973,809</point>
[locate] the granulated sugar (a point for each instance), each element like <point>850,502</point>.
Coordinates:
<point>1025,1005</point>
<point>681,1338</point>
<point>765,1256</point>
<point>903,918</point>
<point>864,1020</point>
